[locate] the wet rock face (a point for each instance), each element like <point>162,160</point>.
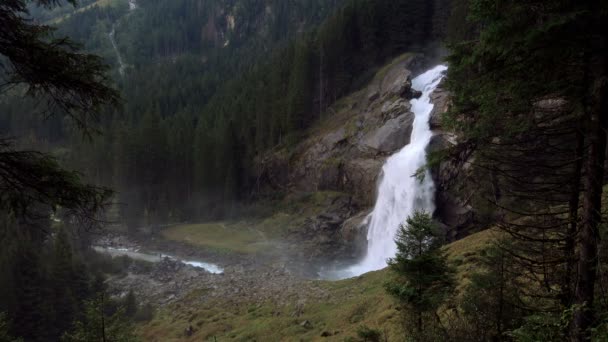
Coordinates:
<point>354,232</point>
<point>320,237</point>
<point>347,154</point>
<point>452,179</point>
<point>440,98</point>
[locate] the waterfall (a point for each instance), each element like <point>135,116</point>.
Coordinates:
<point>399,192</point>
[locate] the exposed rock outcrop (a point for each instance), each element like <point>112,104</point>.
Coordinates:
<point>346,152</point>
<point>440,98</point>
<point>393,135</point>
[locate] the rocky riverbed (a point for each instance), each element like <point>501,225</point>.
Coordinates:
<point>244,278</point>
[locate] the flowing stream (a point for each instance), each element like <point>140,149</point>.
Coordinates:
<point>157,257</point>
<point>400,192</point>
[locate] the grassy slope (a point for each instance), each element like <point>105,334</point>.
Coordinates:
<point>348,305</point>
<point>253,235</point>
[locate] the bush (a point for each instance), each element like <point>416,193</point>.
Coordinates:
<point>368,334</point>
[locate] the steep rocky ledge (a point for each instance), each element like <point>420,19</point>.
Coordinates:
<point>345,152</point>
<point>453,208</point>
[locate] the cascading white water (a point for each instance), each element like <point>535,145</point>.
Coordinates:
<point>400,194</point>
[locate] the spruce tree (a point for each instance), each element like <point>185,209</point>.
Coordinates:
<point>530,101</point>
<point>424,279</point>
<point>61,280</point>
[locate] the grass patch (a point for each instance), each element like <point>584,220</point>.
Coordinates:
<point>221,237</point>
<point>251,236</point>
<point>350,304</point>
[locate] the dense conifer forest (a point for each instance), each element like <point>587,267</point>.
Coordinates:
<point>195,113</point>
<point>151,113</point>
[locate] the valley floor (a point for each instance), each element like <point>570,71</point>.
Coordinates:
<point>259,297</point>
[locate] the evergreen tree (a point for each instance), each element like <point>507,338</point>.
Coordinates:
<point>491,300</point>
<point>97,326</point>
<point>130,305</point>
<point>5,335</point>
<point>61,279</point>
<point>540,157</point>
<point>423,278</point>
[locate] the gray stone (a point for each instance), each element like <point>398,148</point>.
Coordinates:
<point>440,99</point>
<point>362,177</point>
<point>397,84</point>
<point>393,135</point>
<point>392,109</point>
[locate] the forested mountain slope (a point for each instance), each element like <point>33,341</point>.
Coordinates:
<point>210,85</point>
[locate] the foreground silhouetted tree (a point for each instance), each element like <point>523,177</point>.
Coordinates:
<point>423,278</point>
<point>96,325</point>
<point>43,296</point>
<point>530,100</point>
<point>64,81</point>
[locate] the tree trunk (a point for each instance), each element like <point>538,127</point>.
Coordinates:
<point>569,251</point>
<point>592,206</point>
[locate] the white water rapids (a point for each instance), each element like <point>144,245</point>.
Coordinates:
<point>157,257</point>
<point>400,193</point>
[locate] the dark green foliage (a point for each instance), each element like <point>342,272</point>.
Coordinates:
<point>424,280</point>
<point>219,107</point>
<point>529,96</point>
<point>44,281</point>
<point>130,305</point>
<point>541,327</point>
<point>96,325</point>
<point>5,335</point>
<point>41,290</point>
<point>367,334</point>
<point>52,69</point>
<point>145,313</point>
<point>62,273</point>
<point>491,302</point>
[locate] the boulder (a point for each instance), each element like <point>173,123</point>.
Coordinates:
<point>362,175</point>
<point>392,136</point>
<point>440,141</point>
<point>440,99</point>
<point>398,84</point>
<point>393,109</point>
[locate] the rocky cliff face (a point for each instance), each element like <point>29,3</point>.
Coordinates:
<point>345,153</point>
<point>453,208</point>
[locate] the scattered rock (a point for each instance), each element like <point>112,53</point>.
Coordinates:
<point>306,324</point>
